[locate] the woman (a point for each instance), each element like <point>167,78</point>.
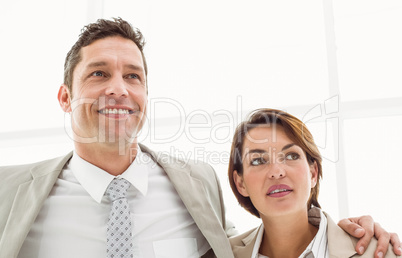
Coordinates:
<point>274,172</point>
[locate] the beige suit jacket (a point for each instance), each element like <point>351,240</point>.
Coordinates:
<point>340,244</point>
<point>23,190</point>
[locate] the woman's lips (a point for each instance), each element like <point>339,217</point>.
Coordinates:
<point>277,191</point>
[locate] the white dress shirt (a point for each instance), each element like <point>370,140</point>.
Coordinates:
<point>319,244</point>
<point>73,219</point>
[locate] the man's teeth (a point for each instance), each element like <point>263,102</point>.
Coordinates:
<point>115,111</point>
<point>278,191</point>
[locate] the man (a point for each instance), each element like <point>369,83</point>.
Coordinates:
<point>64,207</point>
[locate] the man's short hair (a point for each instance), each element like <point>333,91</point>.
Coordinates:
<point>99,30</point>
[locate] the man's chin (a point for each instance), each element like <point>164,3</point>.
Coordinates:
<point>111,137</point>
<point>119,138</point>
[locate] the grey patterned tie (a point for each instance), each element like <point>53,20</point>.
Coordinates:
<point>119,236</point>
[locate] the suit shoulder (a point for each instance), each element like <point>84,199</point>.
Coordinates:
<point>202,171</point>
<point>370,251</point>
<point>164,158</point>
<point>21,172</point>
<point>198,164</point>
<point>338,239</point>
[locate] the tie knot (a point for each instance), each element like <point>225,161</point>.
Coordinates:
<point>117,189</point>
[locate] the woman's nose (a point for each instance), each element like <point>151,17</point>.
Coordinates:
<point>276,170</point>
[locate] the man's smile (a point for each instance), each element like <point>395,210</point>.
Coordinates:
<point>115,111</point>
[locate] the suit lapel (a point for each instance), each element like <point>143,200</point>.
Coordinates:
<point>340,244</point>
<point>27,204</point>
<point>242,251</point>
<point>246,249</point>
<point>192,192</point>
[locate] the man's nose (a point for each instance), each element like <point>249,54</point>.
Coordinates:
<point>117,87</point>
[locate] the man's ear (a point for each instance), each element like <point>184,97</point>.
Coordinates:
<point>314,174</point>
<point>64,97</point>
<point>239,182</point>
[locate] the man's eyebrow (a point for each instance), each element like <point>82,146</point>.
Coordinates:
<point>102,63</point>
<point>134,67</point>
<point>96,64</point>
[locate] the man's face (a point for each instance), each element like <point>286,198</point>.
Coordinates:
<point>109,92</point>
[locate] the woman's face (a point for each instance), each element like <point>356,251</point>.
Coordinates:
<point>276,174</point>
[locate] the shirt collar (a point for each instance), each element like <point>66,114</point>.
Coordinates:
<point>95,180</point>
<point>258,241</point>
<point>319,245</point>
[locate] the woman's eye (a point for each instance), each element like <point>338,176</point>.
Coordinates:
<point>97,73</point>
<point>292,156</point>
<point>258,161</point>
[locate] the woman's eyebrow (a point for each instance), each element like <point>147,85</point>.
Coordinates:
<point>287,146</point>
<point>254,151</point>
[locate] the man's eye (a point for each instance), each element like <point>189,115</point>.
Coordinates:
<point>97,73</point>
<point>258,161</point>
<point>292,156</point>
<point>133,76</point>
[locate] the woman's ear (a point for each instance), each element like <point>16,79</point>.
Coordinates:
<point>64,98</point>
<point>238,180</point>
<point>314,174</point>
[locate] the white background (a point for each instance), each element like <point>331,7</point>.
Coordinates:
<point>334,64</point>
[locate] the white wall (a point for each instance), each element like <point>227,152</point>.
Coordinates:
<point>337,66</point>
